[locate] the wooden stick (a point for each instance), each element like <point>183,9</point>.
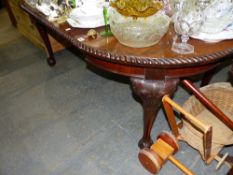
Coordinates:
<point>180,165</point>
<point>207,143</point>
<point>221,160</point>
<point>187,115</point>
<point>206,102</point>
<point>171,118</point>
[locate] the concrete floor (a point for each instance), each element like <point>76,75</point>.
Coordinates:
<point>70,120</point>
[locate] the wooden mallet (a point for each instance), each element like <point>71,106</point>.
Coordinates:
<point>162,150</point>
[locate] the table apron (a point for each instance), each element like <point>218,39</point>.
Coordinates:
<point>148,73</point>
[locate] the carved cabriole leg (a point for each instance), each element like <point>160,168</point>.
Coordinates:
<point>207,77</point>
<point>231,71</point>
<point>231,74</point>
<point>10,13</point>
<point>151,93</point>
<point>44,35</point>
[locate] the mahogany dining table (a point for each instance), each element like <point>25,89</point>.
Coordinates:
<point>153,71</point>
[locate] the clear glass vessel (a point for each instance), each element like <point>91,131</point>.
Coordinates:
<point>138,32</point>
<point>186,23</point>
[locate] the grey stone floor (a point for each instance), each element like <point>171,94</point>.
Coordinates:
<point>70,120</point>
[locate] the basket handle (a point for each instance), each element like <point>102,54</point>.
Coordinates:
<point>168,104</point>
<point>207,103</point>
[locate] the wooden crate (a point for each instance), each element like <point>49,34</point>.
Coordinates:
<point>26,28</point>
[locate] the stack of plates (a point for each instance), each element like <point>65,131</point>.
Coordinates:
<point>88,15</point>
<point>225,34</point>
<point>218,25</point>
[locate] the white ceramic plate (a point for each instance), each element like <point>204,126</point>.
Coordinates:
<point>214,37</point>
<point>94,24</point>
<point>218,16</point>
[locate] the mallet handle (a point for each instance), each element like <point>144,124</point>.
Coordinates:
<point>180,165</point>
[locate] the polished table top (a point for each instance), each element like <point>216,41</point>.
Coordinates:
<point>108,48</point>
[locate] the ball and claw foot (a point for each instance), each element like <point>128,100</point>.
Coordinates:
<point>145,143</point>
<point>51,62</point>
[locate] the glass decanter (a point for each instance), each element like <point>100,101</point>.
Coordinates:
<point>186,23</point>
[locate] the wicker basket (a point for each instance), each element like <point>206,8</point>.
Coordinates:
<point>221,94</point>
